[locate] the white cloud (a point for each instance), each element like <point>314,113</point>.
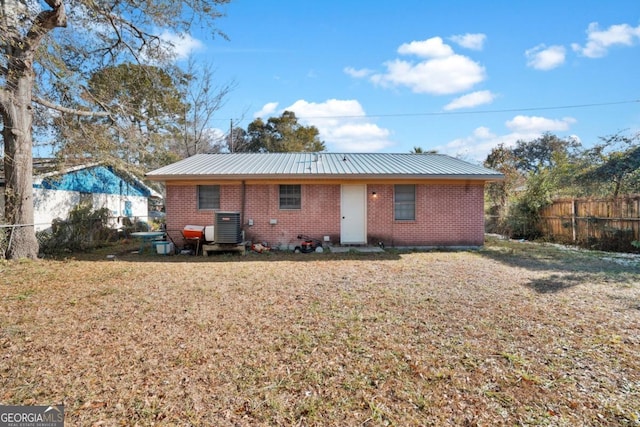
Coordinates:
<point>599,41</point>
<point>430,48</point>
<point>342,124</point>
<point>482,140</point>
<point>539,124</point>
<point>267,110</point>
<point>474,147</point>
<point>483,132</point>
<point>471,100</point>
<point>470,41</point>
<point>545,58</point>
<point>443,72</point>
<point>330,110</point>
<point>364,72</point>
<point>440,76</point>
<point>182,44</point>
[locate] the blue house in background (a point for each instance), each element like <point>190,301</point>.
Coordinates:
<point>57,191</point>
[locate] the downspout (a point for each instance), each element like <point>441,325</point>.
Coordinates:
<point>244,196</point>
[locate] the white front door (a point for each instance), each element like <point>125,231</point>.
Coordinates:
<point>353,214</point>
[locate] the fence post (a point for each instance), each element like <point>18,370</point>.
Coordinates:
<point>573,220</point>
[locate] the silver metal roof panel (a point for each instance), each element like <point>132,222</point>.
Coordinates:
<point>322,165</point>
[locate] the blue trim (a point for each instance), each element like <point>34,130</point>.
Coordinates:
<point>97,179</point>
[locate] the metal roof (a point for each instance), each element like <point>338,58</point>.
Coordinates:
<point>322,165</point>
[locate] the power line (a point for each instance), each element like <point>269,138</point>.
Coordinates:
<point>460,113</point>
<point>508,110</point>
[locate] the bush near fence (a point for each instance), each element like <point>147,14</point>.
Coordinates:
<point>610,224</point>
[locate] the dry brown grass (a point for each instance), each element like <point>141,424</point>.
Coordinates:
<point>514,334</point>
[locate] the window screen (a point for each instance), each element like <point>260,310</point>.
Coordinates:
<point>404,202</point>
<point>290,197</point>
<point>208,197</point>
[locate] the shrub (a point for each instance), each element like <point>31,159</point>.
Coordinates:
<point>84,229</point>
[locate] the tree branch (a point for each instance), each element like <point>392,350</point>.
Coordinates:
<point>46,21</point>
<point>62,109</point>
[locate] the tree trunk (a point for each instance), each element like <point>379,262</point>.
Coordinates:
<point>17,116</point>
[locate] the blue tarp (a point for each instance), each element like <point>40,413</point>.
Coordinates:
<point>97,179</point>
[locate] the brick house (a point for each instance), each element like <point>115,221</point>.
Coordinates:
<point>415,200</point>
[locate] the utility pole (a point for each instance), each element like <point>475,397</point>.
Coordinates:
<point>231,135</point>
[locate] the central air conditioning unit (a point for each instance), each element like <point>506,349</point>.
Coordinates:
<point>227,228</point>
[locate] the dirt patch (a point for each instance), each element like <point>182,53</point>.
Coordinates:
<point>514,334</point>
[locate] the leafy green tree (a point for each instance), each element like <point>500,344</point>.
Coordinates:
<point>146,94</point>
<point>147,116</point>
<point>420,150</point>
<point>535,172</point>
<point>532,156</point>
<point>613,165</point>
<point>503,160</point>
<point>524,213</point>
<point>46,56</point>
<point>540,170</point>
<point>237,141</point>
<point>282,134</point>
<point>541,187</point>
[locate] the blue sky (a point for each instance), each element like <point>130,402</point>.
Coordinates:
<point>459,77</point>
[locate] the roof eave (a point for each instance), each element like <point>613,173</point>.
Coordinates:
<point>305,177</point>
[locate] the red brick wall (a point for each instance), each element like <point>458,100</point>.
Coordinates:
<point>181,207</point>
<point>446,214</point>
<point>318,217</point>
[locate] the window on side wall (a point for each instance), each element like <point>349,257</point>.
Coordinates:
<point>404,202</point>
<point>208,197</point>
<point>86,199</point>
<point>290,197</point>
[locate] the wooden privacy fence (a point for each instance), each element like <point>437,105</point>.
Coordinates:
<point>609,224</point>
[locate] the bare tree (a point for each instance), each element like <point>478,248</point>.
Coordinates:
<point>203,98</point>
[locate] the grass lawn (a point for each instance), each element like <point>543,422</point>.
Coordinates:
<point>513,334</point>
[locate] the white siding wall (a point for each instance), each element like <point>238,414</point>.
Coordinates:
<point>52,204</point>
